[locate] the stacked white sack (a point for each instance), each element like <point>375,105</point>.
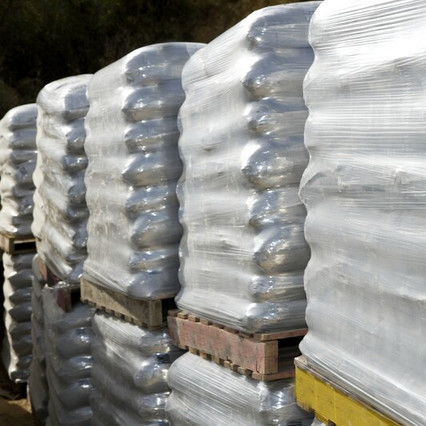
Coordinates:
<point>60,213</point>
<point>243,251</point>
<point>37,382</point>
<point>365,192</point>
<point>204,393</point>
<point>68,337</point>
<point>130,366</point>
<point>134,164</point>
<point>18,154</point>
<point>17,289</point>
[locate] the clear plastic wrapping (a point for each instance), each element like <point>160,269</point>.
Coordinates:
<point>68,337</point>
<point>204,393</point>
<point>60,212</point>
<point>364,190</point>
<point>129,373</point>
<point>243,251</point>
<point>17,289</point>
<point>18,154</point>
<point>37,382</point>
<point>134,164</point>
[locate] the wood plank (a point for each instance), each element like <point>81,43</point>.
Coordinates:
<point>259,357</point>
<point>17,244</point>
<point>146,313</point>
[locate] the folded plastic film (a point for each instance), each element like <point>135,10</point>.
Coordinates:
<point>68,337</point>
<point>18,153</point>
<point>365,196</point>
<point>133,168</point>
<point>60,215</point>
<point>17,289</point>
<point>129,372</point>
<point>206,393</point>
<point>243,251</point>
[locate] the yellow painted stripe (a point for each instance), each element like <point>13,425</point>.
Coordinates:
<point>332,405</point>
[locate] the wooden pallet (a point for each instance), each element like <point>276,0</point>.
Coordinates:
<point>48,276</point>
<point>151,314</point>
<point>17,244</point>
<point>254,355</point>
<point>332,404</point>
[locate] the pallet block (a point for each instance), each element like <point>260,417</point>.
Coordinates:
<point>332,404</point>
<point>150,314</point>
<point>255,355</point>
<point>48,276</point>
<point>17,244</point>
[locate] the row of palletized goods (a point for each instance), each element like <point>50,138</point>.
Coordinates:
<point>187,170</point>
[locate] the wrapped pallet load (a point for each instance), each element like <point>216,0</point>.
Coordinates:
<point>205,393</point>
<point>129,373</point>
<point>68,337</point>
<point>133,168</point>
<point>60,212</point>
<point>37,382</point>
<point>365,192</point>
<point>243,251</point>
<point>18,154</point>
<point>17,289</point>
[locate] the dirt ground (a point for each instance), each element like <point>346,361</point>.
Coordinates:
<point>15,413</point>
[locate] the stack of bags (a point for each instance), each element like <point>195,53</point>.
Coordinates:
<point>18,154</point>
<point>60,214</point>
<point>134,165</point>
<point>129,373</point>
<point>17,289</point>
<point>243,251</point>
<point>365,192</point>
<point>37,383</point>
<point>68,337</point>
<point>205,393</point>
<point>133,226</point>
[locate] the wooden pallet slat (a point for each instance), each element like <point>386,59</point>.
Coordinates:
<point>245,354</point>
<point>331,403</point>
<point>151,314</point>
<point>17,244</point>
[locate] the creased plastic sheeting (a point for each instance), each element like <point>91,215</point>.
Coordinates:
<point>134,164</point>
<point>129,373</point>
<point>243,251</point>
<point>18,155</point>
<point>204,393</point>
<point>17,289</point>
<point>37,382</point>
<point>60,214</point>
<point>365,195</point>
<point>68,337</point>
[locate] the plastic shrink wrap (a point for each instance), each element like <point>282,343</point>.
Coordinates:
<point>17,344</point>
<point>68,337</point>
<point>129,373</point>
<point>204,393</point>
<point>18,155</point>
<point>133,168</point>
<point>243,251</point>
<point>37,382</point>
<point>60,213</point>
<point>365,194</point>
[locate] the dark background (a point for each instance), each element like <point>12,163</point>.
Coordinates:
<point>44,40</point>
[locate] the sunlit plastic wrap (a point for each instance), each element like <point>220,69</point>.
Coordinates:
<point>365,192</point>
<point>243,251</point>
<point>134,164</point>
<point>37,382</point>
<point>204,393</point>
<point>17,289</point>
<point>129,373</point>
<point>60,216</point>
<point>18,155</point>
<point>68,337</point>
